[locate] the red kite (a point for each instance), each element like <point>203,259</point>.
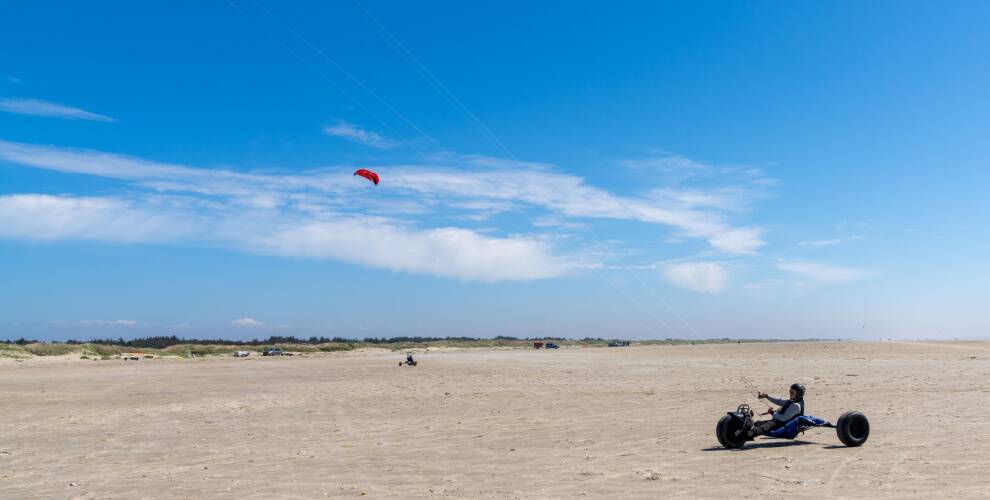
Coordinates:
<point>367,174</point>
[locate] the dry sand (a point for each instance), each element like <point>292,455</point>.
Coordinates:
<point>623,423</point>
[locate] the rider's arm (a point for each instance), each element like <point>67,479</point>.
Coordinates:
<point>785,416</point>
<point>776,401</point>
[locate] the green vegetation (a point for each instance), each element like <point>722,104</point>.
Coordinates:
<point>99,350</point>
<point>43,349</point>
<point>13,351</point>
<point>335,347</point>
<point>199,350</point>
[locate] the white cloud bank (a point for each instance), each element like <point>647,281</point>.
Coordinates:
<point>448,252</point>
<point>328,214</point>
<point>705,277</point>
<point>353,133</point>
<point>37,107</point>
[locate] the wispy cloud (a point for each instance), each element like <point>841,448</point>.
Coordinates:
<point>247,323</point>
<point>108,322</point>
<point>37,107</point>
<point>822,273</point>
<point>359,135</point>
<point>253,323</point>
<point>820,243</point>
<point>328,214</point>
<point>570,196</point>
<point>706,277</point>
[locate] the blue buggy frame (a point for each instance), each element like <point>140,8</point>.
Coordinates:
<point>797,425</point>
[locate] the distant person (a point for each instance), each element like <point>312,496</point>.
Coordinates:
<point>790,408</point>
<point>409,361</point>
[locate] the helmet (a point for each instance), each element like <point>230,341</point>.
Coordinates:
<point>799,389</point>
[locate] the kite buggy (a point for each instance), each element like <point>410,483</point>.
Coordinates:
<point>737,427</point>
<point>409,361</point>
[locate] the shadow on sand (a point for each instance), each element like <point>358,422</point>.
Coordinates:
<point>761,444</point>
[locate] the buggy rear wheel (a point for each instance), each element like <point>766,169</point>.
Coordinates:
<point>853,428</point>
<point>726,432</point>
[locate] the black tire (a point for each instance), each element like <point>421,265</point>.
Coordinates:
<point>725,431</point>
<point>853,428</point>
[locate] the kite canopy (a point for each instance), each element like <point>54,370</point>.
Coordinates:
<point>367,174</point>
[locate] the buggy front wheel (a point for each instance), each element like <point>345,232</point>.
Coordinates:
<point>727,432</point>
<point>853,428</point>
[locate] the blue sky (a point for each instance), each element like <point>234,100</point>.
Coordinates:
<point>635,170</point>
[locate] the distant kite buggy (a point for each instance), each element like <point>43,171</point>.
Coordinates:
<point>367,174</point>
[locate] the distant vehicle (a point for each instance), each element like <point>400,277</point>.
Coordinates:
<point>272,351</point>
<point>551,345</point>
<point>618,343</point>
<point>242,354</point>
<point>409,361</point>
<point>537,345</point>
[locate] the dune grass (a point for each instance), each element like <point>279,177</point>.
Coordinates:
<point>13,351</point>
<point>204,350</point>
<point>100,350</point>
<point>335,347</point>
<point>46,349</point>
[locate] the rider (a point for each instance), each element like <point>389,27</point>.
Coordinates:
<point>410,360</point>
<point>789,408</point>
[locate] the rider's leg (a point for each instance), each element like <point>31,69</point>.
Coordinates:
<point>760,428</point>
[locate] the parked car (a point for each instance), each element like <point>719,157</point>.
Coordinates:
<point>551,345</point>
<point>242,354</point>
<point>272,351</point>
<point>618,343</point>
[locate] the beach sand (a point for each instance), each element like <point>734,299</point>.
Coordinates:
<point>633,422</point>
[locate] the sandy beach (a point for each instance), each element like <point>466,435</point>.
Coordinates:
<point>632,422</point>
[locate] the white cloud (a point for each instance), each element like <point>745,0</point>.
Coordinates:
<point>371,241</point>
<point>247,323</point>
<point>822,273</point>
<point>667,165</point>
<point>820,243</point>
<point>570,196</point>
<point>328,214</point>
<point>490,188</point>
<point>357,134</point>
<point>46,217</point>
<point>706,277</point>
<point>448,252</point>
<point>37,107</point>
<point>253,323</point>
<point>108,322</point>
